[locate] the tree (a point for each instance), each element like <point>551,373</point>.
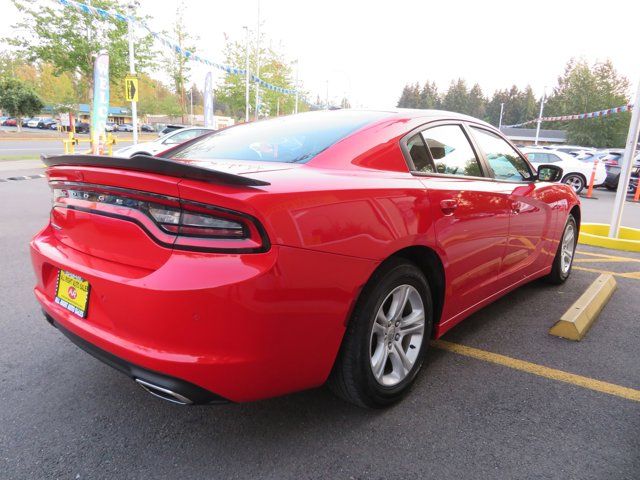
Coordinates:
<point>519,106</point>
<point>67,39</point>
<point>476,103</point>
<point>457,97</point>
<point>177,64</point>
<point>18,100</point>
<point>274,68</point>
<point>410,97</point>
<point>429,96</point>
<point>584,88</point>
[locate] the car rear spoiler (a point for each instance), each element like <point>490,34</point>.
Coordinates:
<point>146,163</point>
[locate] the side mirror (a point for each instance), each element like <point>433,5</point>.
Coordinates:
<point>549,173</point>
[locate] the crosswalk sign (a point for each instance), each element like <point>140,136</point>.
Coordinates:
<point>131,89</point>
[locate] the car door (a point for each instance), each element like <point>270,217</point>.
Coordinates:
<point>471,221</point>
<point>531,217</point>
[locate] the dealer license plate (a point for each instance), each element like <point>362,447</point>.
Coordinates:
<point>72,293</point>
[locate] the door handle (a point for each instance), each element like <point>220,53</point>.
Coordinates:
<point>448,206</point>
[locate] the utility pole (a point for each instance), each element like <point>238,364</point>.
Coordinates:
<point>297,72</point>
<point>500,121</point>
<point>132,71</point>
<point>544,94</point>
<point>258,65</point>
<point>246,77</point>
<point>627,167</point>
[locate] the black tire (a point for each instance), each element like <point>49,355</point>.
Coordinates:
<point>557,276</point>
<point>613,188</point>
<point>577,178</point>
<point>352,378</point>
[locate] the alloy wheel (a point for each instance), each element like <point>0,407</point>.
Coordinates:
<point>568,248</point>
<point>575,182</point>
<point>397,335</point>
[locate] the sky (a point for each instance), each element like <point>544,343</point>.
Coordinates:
<point>368,50</point>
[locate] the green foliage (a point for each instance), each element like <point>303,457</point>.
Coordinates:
<point>68,39</point>
<point>457,97</point>
<point>230,96</point>
<point>583,88</point>
<point>176,64</point>
<point>519,106</point>
<point>18,99</point>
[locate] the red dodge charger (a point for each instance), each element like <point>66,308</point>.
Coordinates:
<point>276,256</point>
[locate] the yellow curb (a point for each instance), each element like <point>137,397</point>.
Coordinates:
<point>597,234</point>
<point>540,370</point>
<point>576,321</point>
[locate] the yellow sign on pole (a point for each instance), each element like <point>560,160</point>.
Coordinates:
<point>131,89</point>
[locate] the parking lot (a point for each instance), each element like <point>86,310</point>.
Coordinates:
<point>474,413</point>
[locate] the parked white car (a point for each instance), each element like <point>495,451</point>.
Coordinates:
<point>33,123</point>
<point>575,173</point>
<point>163,143</point>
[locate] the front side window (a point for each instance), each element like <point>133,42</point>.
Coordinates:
<point>451,151</point>
<point>538,157</point>
<point>502,157</point>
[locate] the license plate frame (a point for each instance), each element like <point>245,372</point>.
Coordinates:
<point>72,293</point>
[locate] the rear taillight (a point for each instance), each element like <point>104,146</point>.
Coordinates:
<point>168,220</point>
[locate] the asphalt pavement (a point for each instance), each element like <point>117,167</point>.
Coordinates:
<point>66,415</point>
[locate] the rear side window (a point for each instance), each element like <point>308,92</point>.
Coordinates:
<point>537,157</point>
<point>419,156</point>
<point>502,157</point>
<point>291,139</point>
<point>451,151</point>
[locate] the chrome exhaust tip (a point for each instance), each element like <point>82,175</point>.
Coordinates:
<point>163,393</point>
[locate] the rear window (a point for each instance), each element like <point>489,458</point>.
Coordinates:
<point>291,139</point>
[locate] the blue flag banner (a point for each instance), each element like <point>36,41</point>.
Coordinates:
<point>171,45</point>
<point>100,110</point>
<point>577,116</point>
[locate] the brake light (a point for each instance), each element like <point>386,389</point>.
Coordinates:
<point>168,220</point>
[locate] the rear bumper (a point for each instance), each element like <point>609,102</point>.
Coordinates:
<point>243,326</point>
<point>195,394</point>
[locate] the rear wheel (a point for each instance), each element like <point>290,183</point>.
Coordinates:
<point>575,181</point>
<point>387,337</point>
<point>563,260</point>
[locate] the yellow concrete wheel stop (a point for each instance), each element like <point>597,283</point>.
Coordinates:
<point>576,321</point>
<point>597,234</point>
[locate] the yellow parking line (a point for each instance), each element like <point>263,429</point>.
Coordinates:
<point>599,260</point>
<point>615,257</point>
<point>631,275</point>
<point>540,370</point>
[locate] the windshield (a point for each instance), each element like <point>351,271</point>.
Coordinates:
<point>291,139</point>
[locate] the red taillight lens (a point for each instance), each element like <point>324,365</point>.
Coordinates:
<point>169,220</point>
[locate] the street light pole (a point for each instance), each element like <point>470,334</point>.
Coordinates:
<point>191,100</point>
<point>544,93</point>
<point>246,77</point>
<point>627,167</point>
<point>258,65</point>
<point>500,121</point>
<point>132,71</point>
<point>326,106</point>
